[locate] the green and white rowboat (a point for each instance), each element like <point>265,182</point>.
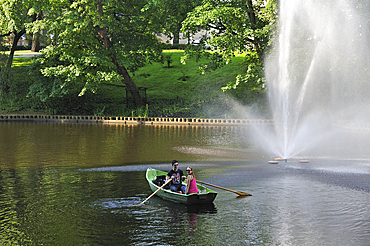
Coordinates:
<point>205,195</point>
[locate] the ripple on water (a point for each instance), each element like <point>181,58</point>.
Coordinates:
<point>116,204</point>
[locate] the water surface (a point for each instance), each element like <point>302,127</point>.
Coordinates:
<point>75,184</point>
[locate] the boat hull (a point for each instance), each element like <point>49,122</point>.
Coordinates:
<point>205,196</point>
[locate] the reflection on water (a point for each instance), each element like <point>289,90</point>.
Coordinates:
<point>77,184</point>
<point>90,145</point>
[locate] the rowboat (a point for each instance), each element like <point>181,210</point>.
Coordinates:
<point>205,195</point>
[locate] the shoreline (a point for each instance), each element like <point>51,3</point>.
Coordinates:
<point>130,120</point>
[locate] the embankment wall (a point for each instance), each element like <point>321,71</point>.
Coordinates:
<point>130,120</point>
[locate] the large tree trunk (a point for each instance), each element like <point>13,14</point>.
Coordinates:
<point>176,38</point>
<point>127,80</point>
<point>252,19</point>
<point>35,42</point>
<point>36,35</point>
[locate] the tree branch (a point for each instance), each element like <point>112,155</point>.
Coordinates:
<point>251,14</point>
<point>220,27</point>
<point>5,35</point>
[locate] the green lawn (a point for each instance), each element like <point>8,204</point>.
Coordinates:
<point>180,90</point>
<point>184,81</point>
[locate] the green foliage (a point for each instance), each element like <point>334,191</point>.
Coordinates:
<point>3,59</point>
<point>140,111</point>
<point>197,96</point>
<point>95,46</point>
<point>99,111</point>
<point>16,19</point>
<point>17,86</point>
<point>60,73</point>
<point>234,27</point>
<point>89,47</point>
<point>4,73</point>
<point>251,80</point>
<point>216,60</point>
<point>173,13</point>
<point>167,94</point>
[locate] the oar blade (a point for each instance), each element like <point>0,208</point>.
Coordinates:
<point>243,194</point>
<point>219,187</point>
<point>139,204</point>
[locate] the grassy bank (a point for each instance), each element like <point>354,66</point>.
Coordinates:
<point>175,91</point>
<point>16,99</point>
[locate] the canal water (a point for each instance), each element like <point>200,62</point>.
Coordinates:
<point>75,184</point>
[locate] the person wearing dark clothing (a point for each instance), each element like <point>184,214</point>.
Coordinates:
<point>177,176</point>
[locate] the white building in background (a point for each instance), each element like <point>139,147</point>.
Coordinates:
<point>183,39</point>
<point>22,41</point>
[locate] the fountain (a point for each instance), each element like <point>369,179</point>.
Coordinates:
<point>318,80</point>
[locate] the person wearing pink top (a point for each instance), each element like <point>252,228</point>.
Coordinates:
<point>191,182</point>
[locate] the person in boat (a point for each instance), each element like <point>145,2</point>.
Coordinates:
<point>177,176</point>
<point>191,182</point>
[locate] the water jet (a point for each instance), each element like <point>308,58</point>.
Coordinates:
<point>317,81</point>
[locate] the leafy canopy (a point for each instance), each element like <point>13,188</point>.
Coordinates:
<point>236,26</point>
<point>87,40</point>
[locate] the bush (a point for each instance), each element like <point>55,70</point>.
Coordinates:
<point>174,46</point>
<point>4,48</point>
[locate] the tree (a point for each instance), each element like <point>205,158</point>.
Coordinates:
<point>36,40</point>
<point>16,18</point>
<point>173,13</point>
<point>242,26</point>
<point>98,42</point>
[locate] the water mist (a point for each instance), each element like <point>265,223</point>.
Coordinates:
<point>318,81</point>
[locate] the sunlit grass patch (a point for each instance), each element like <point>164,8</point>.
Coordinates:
<point>22,61</point>
<point>22,52</point>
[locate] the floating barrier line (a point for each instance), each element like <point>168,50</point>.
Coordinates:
<point>130,120</point>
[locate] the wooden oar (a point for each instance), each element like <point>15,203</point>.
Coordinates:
<point>154,192</point>
<point>237,192</point>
